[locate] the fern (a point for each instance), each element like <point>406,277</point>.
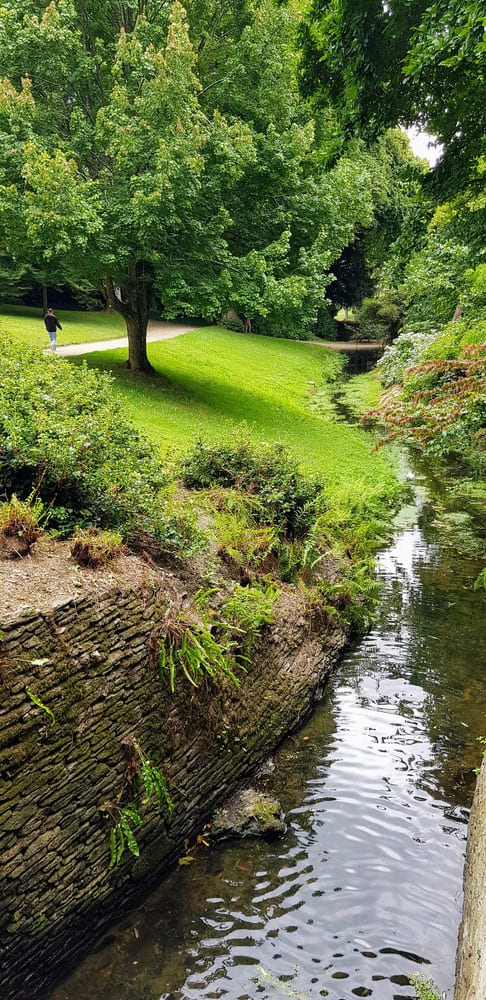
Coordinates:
<point>125,819</point>
<point>40,704</point>
<point>194,650</point>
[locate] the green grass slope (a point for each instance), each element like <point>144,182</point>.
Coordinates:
<point>24,325</point>
<point>214,380</point>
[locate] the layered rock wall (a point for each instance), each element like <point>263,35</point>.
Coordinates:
<point>90,663</point>
<point>471,951</point>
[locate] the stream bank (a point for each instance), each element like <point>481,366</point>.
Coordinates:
<point>365,890</point>
<point>80,694</point>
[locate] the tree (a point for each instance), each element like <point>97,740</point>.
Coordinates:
<point>408,61</point>
<point>159,157</point>
<point>97,185</point>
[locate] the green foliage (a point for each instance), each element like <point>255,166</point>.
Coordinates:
<point>64,435</point>
<point>441,407</point>
<point>163,175</point>
<point>410,62</point>
<point>40,704</point>
<point>401,355</point>
<point>480,581</point>
<point>281,495</point>
<point>325,326</point>
<point>194,650</point>
<point>381,317</point>
<point>243,542</point>
<point>125,818</point>
<point>250,609</point>
<point>122,835</point>
<point>152,781</point>
<point>93,547</point>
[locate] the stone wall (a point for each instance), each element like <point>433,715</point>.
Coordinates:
<point>471,951</point>
<point>90,661</point>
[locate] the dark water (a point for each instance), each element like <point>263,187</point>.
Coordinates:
<point>366,887</point>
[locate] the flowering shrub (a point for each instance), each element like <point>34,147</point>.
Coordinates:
<point>442,405</point>
<point>398,357</point>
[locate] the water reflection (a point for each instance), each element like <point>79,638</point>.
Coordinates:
<point>365,889</point>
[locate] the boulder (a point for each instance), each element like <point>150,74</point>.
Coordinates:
<point>249,813</point>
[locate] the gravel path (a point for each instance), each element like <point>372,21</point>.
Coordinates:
<point>156,331</point>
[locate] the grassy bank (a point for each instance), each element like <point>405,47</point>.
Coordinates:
<point>214,380</point>
<point>23,325</point>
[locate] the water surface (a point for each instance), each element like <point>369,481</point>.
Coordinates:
<point>365,889</point>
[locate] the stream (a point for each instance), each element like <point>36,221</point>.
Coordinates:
<point>365,889</point>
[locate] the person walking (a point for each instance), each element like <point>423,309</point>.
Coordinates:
<point>52,326</point>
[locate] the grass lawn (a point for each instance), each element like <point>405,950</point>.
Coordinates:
<point>24,325</point>
<point>214,380</point>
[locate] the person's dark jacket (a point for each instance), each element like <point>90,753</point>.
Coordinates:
<point>51,322</point>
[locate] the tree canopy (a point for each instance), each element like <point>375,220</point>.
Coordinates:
<point>409,61</point>
<point>154,151</point>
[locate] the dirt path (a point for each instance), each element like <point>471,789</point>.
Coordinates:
<point>349,345</point>
<point>157,330</point>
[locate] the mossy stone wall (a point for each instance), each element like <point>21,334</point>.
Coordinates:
<point>90,661</point>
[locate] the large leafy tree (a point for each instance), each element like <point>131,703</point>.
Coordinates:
<point>154,151</point>
<point>102,149</point>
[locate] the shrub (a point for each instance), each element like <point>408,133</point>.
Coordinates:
<point>442,405</point>
<point>92,547</point>
<point>281,495</point>
<point>381,317</point>
<point>325,326</point>
<point>64,435</point>
<point>398,357</point>
<point>19,526</point>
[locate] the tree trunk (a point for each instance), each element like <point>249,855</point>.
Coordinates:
<point>137,343</point>
<point>133,306</point>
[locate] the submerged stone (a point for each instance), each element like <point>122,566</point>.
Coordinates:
<point>249,814</point>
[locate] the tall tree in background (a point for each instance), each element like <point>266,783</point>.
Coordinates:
<point>406,61</point>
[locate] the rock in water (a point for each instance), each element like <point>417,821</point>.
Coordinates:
<point>249,814</point>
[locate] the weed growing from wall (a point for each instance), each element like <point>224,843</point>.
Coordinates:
<point>194,651</point>
<point>141,778</point>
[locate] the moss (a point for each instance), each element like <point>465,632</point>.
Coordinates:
<point>152,857</point>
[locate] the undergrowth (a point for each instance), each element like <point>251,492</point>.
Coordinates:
<point>268,473</point>
<point>65,438</point>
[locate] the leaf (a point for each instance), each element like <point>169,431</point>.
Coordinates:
<point>186,860</point>
<point>40,704</point>
<point>40,663</point>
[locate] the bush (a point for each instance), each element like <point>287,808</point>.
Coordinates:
<point>405,351</point>
<point>325,326</point>
<point>64,435</point>
<point>281,495</point>
<point>381,317</point>
<point>442,406</point>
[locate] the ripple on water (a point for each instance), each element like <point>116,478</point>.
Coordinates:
<point>365,889</point>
